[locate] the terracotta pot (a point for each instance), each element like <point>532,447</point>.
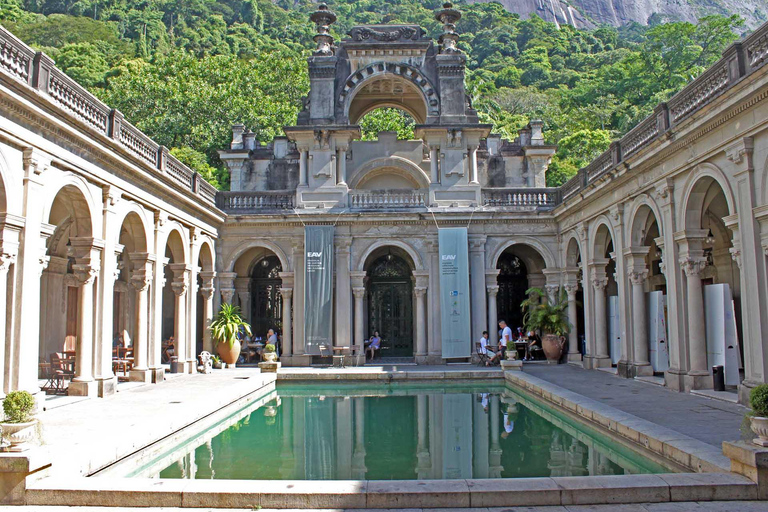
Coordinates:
<point>759,426</point>
<point>552,348</point>
<point>229,353</point>
<point>19,434</point>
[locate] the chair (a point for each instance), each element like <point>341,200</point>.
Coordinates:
<point>62,369</point>
<point>482,358</point>
<point>338,356</point>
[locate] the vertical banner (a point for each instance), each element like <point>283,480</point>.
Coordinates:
<point>318,287</point>
<point>454,292</point>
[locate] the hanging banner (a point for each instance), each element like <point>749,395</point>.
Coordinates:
<point>454,292</point>
<point>318,287</point>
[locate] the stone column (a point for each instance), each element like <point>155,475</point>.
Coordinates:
<point>435,322</point>
<point>207,291</point>
<point>343,334</point>
<point>420,292</point>
<point>358,455</point>
<point>341,162</point>
<point>303,160</point>
<point>243,291</point>
<point>287,296</point>
<point>494,459</point>
<point>493,312</point>
<point>422,451</point>
<point>156,320</point>
<point>104,330</point>
<point>359,293</point>
<point>638,276</point>
<point>180,286</point>
<point>477,285</point>
<point>6,260</point>
<point>473,166</point>
<point>298,296</point>
<point>141,278</point>
<point>434,164</point>
<point>83,383</point>
<point>573,319</point>
<point>599,282</point>
<point>698,375</point>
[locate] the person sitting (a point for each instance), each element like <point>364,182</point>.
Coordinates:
<point>534,343</point>
<point>373,345</point>
<point>493,357</point>
<point>169,349</point>
<point>272,340</point>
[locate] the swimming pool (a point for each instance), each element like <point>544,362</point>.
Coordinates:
<point>396,431</point>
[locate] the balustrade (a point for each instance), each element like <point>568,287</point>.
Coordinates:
<point>244,202</point>
<point>522,197</point>
<point>381,199</point>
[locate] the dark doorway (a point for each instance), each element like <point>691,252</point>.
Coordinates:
<point>513,282</point>
<point>390,305</point>
<point>266,306</point>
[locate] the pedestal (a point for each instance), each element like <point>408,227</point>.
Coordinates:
<point>751,461</point>
<point>107,386</point>
<point>267,367</point>
<point>158,375</point>
<point>512,366</point>
<point>16,469</point>
<point>698,380</point>
<point>78,388</point>
<point>140,375</point>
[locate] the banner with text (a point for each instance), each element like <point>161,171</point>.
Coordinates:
<point>318,286</point>
<point>454,292</point>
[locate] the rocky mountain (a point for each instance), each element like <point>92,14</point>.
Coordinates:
<point>588,13</point>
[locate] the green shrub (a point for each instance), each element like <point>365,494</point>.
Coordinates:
<point>269,348</point>
<point>17,406</point>
<point>758,400</point>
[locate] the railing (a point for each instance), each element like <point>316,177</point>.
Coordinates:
<point>756,46</point>
<point>639,136</point>
<point>37,71</point>
<point>247,202</point>
<point>698,93</point>
<point>522,197</point>
<point>599,166</point>
<point>381,199</point>
<point>571,186</point>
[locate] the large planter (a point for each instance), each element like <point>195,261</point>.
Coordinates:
<point>229,353</point>
<point>759,426</point>
<point>552,347</point>
<point>19,434</point>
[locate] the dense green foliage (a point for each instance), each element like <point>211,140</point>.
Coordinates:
<point>544,317</point>
<point>184,71</point>
<point>228,324</point>
<point>18,406</point>
<point>758,400</point>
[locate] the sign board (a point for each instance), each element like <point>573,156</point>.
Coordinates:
<point>318,287</point>
<point>454,293</point>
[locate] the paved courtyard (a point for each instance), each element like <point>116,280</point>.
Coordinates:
<point>710,421</point>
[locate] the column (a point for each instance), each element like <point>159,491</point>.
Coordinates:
<point>434,164</point>
<point>420,293</point>
<point>495,468</point>
<point>141,279</point>
<point>287,296</point>
<point>298,296</point>
<point>422,449</point>
<point>473,166</point>
<point>599,282</point>
<point>435,322</point>
<point>83,383</point>
<point>477,285</point>
<point>341,162</point>
<point>191,317</point>
<point>104,330</point>
<point>303,181</point>
<point>358,454</point>
<point>6,260</point>
<point>573,319</point>
<point>207,291</point>
<point>638,276</point>
<point>359,293</point>
<point>698,375</point>
<point>156,319</point>
<point>180,286</point>
<point>343,334</point>
<point>243,290</point>
<point>493,321</point>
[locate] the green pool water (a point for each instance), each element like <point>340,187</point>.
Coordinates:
<point>397,431</point>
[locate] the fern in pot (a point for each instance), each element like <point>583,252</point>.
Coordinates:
<point>758,401</point>
<point>225,329</point>
<point>548,318</point>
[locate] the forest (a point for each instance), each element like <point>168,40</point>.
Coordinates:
<point>184,71</point>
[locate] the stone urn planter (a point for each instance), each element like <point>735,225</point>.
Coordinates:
<point>19,435</point>
<point>228,353</point>
<point>270,357</point>
<point>552,347</point>
<point>759,426</point>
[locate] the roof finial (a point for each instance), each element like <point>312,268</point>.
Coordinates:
<point>323,18</point>
<point>448,16</point>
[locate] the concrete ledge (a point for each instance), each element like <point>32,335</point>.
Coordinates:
<point>685,451</point>
<point>373,373</point>
<point>395,494</point>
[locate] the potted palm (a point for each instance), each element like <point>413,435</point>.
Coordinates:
<point>758,401</point>
<point>550,319</point>
<point>225,329</point>
<point>270,354</point>
<point>18,427</point>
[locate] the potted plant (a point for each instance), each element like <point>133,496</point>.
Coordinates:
<point>758,401</point>
<point>550,319</point>
<point>216,360</point>
<point>270,355</point>
<point>18,427</point>
<point>225,329</point>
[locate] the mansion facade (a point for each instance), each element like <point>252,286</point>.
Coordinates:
<point>660,245</point>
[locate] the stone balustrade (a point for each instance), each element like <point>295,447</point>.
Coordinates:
<point>254,202</point>
<point>522,197</point>
<point>381,199</point>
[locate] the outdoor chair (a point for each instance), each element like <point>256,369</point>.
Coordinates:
<point>338,356</point>
<point>482,358</point>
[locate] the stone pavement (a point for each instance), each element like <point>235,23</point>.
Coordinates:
<point>705,506</point>
<point>705,419</point>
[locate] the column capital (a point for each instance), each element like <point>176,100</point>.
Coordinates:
<point>420,291</point>
<point>286,293</point>
<point>740,152</point>
<point>227,294</point>
<point>599,279</point>
<point>477,243</point>
<point>85,274</point>
<point>552,290</point>
<point>493,289</point>
<point>693,266</point>
<point>6,260</point>
<point>358,292</point>
<point>342,244</point>
<point>141,279</point>
<point>207,291</point>
<point>638,276</point>
<point>571,290</point>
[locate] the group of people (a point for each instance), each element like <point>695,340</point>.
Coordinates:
<point>252,345</point>
<point>531,339</point>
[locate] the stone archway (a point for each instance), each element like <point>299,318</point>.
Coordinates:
<point>390,303</point>
<point>520,267</point>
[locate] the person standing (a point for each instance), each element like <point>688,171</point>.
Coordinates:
<point>506,337</point>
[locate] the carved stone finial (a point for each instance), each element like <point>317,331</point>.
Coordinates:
<point>448,16</point>
<point>323,18</point>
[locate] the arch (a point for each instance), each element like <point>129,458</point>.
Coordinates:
<point>540,248</point>
<point>243,247</point>
<point>390,165</point>
<point>133,226</point>
<point>205,255</point>
<point>695,192</point>
<point>10,185</point>
<point>573,250</point>
<point>406,75</point>
<point>70,181</point>
<point>415,259</point>
<point>175,243</point>
<point>136,215</point>
<point>639,213</point>
<point>601,233</point>
<point>4,184</point>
